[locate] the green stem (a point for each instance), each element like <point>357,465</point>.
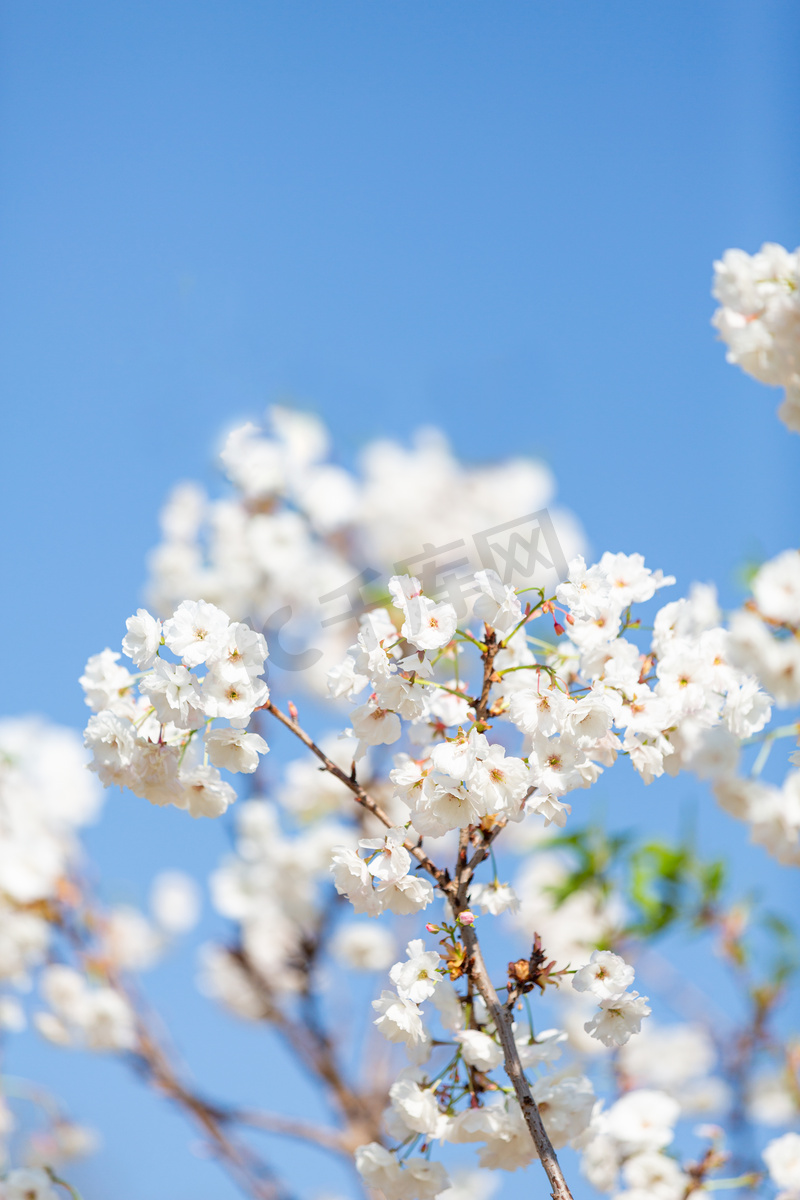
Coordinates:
<point>713,1185</point>
<point>453,691</point>
<point>469,638</point>
<point>63,1183</point>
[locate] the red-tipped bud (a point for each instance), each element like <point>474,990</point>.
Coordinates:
<point>292,710</point>
<point>569,618</point>
<point>558,628</point>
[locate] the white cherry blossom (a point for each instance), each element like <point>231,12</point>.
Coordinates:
<point>416,978</point>
<point>605,975</point>
<point>142,639</point>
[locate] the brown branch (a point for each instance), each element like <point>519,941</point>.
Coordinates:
<point>488,655</point>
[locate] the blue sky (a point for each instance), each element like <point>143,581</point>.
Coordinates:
<point>499,218</point>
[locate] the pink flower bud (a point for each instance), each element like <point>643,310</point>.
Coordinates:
<point>466,917</point>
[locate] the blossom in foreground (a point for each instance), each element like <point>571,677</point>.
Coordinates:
<point>149,730</point>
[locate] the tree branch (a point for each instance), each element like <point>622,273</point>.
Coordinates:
<point>455,891</point>
<point>250,1172</point>
<point>503,1023</point>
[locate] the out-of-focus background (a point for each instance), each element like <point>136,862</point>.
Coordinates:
<point>498,219</point>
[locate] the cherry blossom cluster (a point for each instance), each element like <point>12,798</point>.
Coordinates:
<point>759,318</point>
<point>629,1138</point>
<point>427,1106</point>
<point>578,703</point>
<point>152,731</point>
<point>764,641</point>
<point>433,1103</point>
<point>46,795</point>
<point>607,977</point>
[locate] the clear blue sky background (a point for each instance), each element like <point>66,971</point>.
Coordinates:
<point>500,218</point>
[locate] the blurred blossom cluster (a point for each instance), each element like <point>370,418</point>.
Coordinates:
<point>759,319</point>
<point>298,528</point>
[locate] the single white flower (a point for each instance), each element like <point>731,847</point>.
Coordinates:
<point>399,1019</point>
<point>418,976</point>
<point>619,1017</point>
<point>234,749</point>
<point>605,975</point>
<point>204,792</point>
<point>28,1183</point>
<point>479,1050</point>
<point>235,699</point>
<point>498,605</point>
<point>142,640</point>
<point>196,632</point>
<point>390,860</point>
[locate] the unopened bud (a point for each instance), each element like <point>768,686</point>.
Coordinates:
<point>292,710</point>
<point>558,628</point>
<point>569,618</point>
<point>431,928</point>
<point>466,917</point>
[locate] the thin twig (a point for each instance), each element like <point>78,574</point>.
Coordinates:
<point>315,1052</point>
<point>252,1174</point>
<point>328,1139</point>
<point>363,798</point>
